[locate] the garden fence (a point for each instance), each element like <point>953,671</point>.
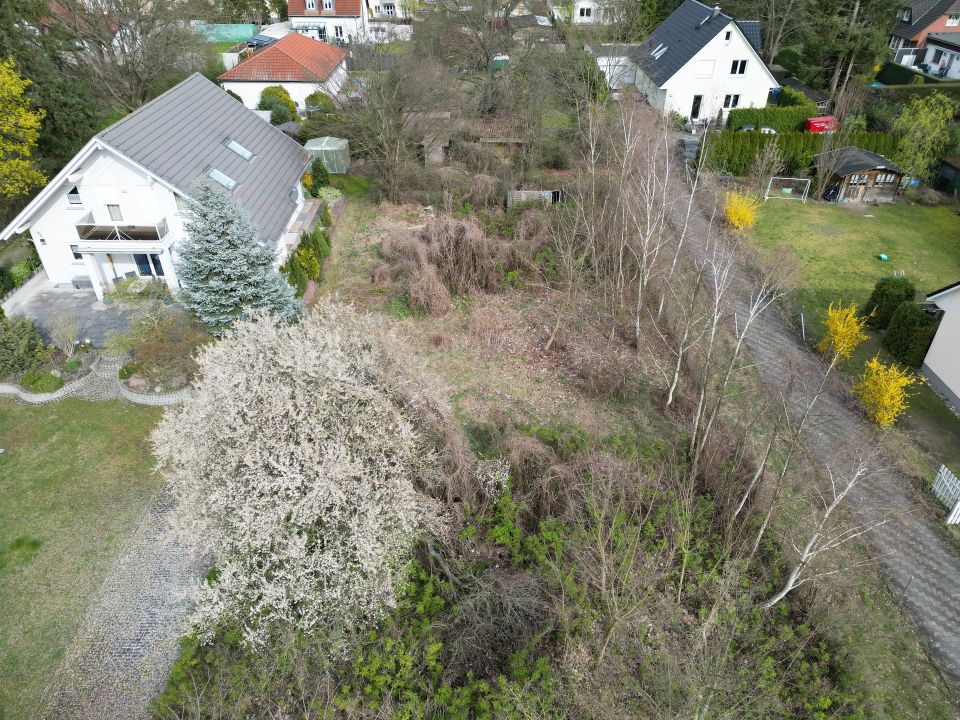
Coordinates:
<point>947,488</point>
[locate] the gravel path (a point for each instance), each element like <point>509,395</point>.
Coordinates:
<point>920,565</point>
<point>120,657</point>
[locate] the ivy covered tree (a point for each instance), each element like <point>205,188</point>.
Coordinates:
<point>227,273</point>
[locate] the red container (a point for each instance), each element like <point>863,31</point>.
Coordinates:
<point>824,123</point>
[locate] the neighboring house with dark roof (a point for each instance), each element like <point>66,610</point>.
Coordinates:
<point>857,175</point>
<point>821,100</point>
<point>299,64</point>
<point>117,208</point>
<point>940,366</point>
<point>698,63</point>
<point>344,21</point>
<point>918,18</point>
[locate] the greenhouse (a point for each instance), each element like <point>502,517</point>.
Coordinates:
<point>335,153</point>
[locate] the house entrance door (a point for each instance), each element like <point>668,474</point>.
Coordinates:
<point>695,110</point>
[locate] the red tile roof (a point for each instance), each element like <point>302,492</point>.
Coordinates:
<point>341,8</point>
<point>293,58</point>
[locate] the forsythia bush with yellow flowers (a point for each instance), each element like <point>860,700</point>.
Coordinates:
<point>844,331</point>
<point>883,391</point>
<point>740,210</point>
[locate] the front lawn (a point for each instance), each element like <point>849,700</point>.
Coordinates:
<point>838,248</point>
<point>74,479</point>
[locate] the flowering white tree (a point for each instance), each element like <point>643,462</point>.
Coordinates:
<point>298,465</point>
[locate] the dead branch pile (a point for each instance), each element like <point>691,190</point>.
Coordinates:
<point>466,258</point>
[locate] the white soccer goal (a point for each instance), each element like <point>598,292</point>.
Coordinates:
<point>787,188</point>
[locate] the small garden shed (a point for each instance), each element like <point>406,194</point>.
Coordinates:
<point>335,153</point>
<point>858,175</point>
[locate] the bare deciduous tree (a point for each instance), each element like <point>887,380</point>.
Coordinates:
<point>127,46</point>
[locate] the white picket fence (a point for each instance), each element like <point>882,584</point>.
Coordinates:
<point>947,488</point>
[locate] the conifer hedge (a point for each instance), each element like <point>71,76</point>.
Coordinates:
<point>733,151</point>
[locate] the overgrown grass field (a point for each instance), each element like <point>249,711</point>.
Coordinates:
<point>74,478</point>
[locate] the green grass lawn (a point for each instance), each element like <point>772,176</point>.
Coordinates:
<point>74,479</point>
<point>838,247</point>
<point>222,47</point>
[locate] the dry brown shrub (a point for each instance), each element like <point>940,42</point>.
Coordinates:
<point>427,294</point>
<point>441,341</point>
<point>501,612</point>
<point>403,248</point>
<point>533,235</point>
<point>484,190</point>
<point>466,258</point>
<point>380,275</point>
<point>488,326</point>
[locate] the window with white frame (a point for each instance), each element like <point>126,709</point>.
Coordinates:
<point>953,20</point>
<point>727,35</point>
<point>858,179</point>
<point>328,4</point>
<point>337,31</point>
<point>738,67</point>
<point>115,213</point>
<point>73,197</point>
<point>586,12</point>
<point>311,4</point>
<point>390,9</point>
<point>75,249</point>
<point>906,15</point>
<point>731,101</point>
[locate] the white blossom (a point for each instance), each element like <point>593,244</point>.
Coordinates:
<point>299,468</point>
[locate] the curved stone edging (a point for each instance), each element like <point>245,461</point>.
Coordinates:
<point>67,390</point>
<point>101,383</point>
<point>155,400</point>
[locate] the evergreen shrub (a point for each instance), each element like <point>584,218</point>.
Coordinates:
<point>887,295</point>
<point>910,333</point>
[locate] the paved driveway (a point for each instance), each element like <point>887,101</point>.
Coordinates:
<point>41,301</point>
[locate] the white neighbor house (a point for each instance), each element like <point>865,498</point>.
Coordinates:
<point>698,63</point>
<point>301,65</point>
<point>345,21</point>
<point>941,366</point>
<point>116,209</point>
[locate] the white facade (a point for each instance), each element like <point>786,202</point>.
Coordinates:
<point>104,218</point>
<point>249,92</point>
<point>375,23</point>
<point>586,12</point>
<point>941,366</point>
<point>727,73</point>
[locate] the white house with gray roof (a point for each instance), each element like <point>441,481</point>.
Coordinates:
<point>116,209</point>
<point>698,63</point>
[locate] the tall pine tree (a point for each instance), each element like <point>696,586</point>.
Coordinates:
<point>226,272</point>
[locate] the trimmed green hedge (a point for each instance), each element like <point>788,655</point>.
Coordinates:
<point>902,93</point>
<point>733,151</point>
<point>910,333</point>
<point>888,293</point>
<point>895,74</point>
<point>782,118</point>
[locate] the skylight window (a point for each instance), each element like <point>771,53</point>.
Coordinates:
<point>228,182</point>
<point>238,149</point>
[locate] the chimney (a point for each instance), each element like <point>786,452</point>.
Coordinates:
<point>716,10</point>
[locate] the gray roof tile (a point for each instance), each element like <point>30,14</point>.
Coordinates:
<point>751,30</point>
<point>852,159</point>
<point>180,136</point>
<point>685,33</point>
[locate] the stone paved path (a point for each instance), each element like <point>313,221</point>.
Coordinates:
<point>921,566</point>
<point>120,657</point>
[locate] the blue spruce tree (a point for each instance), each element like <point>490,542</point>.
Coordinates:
<point>226,272</point>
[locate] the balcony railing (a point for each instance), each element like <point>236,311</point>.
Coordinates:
<point>88,230</point>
